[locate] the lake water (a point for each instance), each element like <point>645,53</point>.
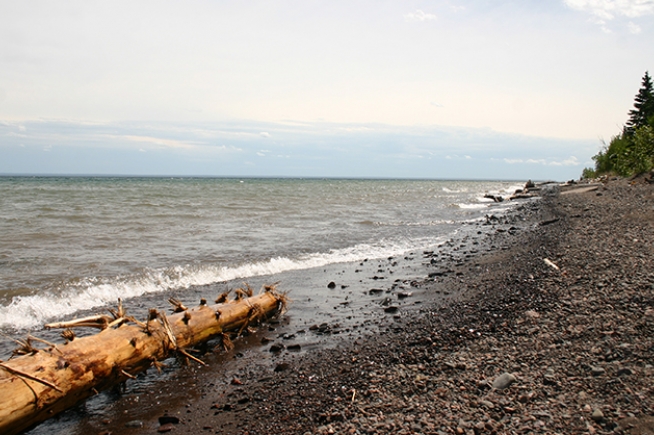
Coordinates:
<point>72,244</point>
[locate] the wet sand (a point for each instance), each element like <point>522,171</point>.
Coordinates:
<point>422,343</point>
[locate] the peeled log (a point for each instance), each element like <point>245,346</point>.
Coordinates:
<point>37,386</point>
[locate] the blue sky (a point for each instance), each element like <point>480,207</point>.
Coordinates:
<point>425,89</point>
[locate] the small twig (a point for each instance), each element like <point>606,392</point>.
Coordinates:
<point>188,355</point>
<point>116,323</point>
<point>129,375</point>
<point>120,312</point>
<point>137,322</point>
<point>28,376</point>
<point>169,331</point>
<point>549,263</point>
<point>53,346</point>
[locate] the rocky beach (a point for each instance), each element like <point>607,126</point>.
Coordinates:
<point>546,325</point>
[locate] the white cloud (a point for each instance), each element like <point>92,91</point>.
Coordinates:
<point>264,134</point>
<point>436,104</point>
<point>419,15</point>
<point>570,161</point>
<point>634,28</point>
<point>169,143</point>
<point>609,9</point>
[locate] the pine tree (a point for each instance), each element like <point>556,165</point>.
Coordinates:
<point>643,110</point>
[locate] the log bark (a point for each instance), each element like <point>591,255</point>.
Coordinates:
<point>37,386</point>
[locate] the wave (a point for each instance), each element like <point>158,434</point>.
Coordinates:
<point>27,312</point>
<point>471,206</point>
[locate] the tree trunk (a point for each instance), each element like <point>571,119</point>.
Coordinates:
<point>37,386</point>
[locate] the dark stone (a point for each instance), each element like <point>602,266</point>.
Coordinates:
<point>331,285</point>
<point>165,419</point>
<point>282,366</point>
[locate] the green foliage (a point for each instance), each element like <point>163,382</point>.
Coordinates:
<point>632,151</point>
<point>588,173</point>
<point>642,150</point>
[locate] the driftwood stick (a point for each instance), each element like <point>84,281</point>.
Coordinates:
<point>188,355</point>
<point>128,375</point>
<point>101,321</point>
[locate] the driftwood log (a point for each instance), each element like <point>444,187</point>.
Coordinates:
<point>43,382</point>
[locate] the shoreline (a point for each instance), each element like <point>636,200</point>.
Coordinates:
<point>429,367</point>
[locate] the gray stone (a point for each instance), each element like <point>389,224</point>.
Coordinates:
<point>134,424</point>
<point>597,371</point>
<point>504,381</point>
<point>597,415</point>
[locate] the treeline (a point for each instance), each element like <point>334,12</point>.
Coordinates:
<point>632,151</point>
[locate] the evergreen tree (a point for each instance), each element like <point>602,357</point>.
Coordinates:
<point>632,151</point>
<point>643,111</point>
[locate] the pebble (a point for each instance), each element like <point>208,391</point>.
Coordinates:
<point>597,371</point>
<point>166,427</point>
<point>597,415</point>
<point>504,381</point>
<point>134,424</point>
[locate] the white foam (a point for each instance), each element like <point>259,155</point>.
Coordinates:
<point>26,312</point>
<point>473,206</point>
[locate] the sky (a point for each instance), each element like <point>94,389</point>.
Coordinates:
<point>474,89</point>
